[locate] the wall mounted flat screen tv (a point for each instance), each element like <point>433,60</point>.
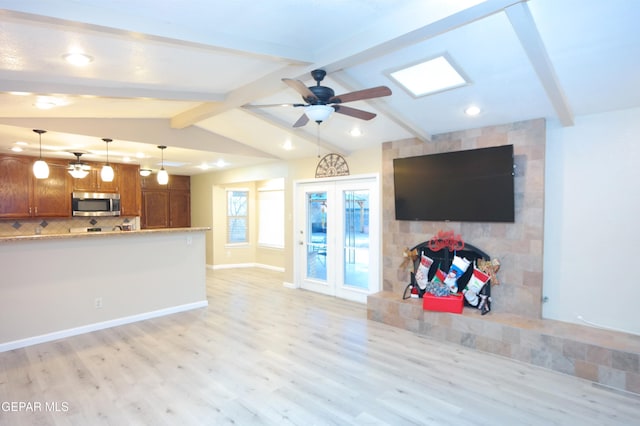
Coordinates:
<point>468,186</point>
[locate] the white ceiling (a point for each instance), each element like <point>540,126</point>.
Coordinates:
<point>178,73</point>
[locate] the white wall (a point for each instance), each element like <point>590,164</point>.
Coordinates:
<point>592,207</point>
<point>49,285</point>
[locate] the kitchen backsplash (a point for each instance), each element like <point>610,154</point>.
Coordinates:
<point>17,227</point>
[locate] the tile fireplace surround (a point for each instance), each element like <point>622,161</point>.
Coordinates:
<point>514,328</point>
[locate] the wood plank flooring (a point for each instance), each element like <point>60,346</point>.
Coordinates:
<point>264,354</point>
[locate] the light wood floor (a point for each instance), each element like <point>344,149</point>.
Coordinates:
<point>264,354</point>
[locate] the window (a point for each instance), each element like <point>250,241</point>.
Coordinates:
<point>271,218</point>
<point>237,216</point>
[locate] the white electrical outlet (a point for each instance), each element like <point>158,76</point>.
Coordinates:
<point>189,240</point>
<point>98,302</point>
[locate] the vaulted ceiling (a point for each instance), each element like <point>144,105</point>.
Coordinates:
<point>188,74</point>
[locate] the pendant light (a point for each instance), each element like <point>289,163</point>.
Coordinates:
<point>78,169</point>
<point>163,176</point>
<point>40,167</point>
<point>106,174</point>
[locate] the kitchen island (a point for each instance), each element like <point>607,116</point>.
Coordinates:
<point>53,286</point>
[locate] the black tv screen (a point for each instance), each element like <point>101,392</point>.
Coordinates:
<point>468,186</point>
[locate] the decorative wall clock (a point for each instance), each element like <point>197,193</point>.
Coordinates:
<point>332,165</point>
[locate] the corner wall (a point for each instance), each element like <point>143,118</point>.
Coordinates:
<point>517,245</point>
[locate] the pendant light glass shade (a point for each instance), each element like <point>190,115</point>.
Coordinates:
<point>163,176</point>
<point>106,174</point>
<point>40,167</point>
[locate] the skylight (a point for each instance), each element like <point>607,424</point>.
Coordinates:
<point>428,77</point>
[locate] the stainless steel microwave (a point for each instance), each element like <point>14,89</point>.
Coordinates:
<point>95,204</point>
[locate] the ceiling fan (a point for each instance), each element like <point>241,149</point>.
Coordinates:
<point>321,101</point>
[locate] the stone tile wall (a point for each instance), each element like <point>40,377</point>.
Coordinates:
<point>517,245</point>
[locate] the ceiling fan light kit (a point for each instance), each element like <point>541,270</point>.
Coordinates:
<point>321,101</point>
<point>318,113</point>
<point>78,169</point>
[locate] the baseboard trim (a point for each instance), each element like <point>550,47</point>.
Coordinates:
<point>246,265</point>
<point>30,341</point>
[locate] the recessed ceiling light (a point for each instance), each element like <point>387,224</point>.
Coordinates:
<point>48,102</point>
<point>472,111</point>
<point>16,149</point>
<point>77,59</point>
<point>221,163</point>
<point>203,166</point>
<point>287,145</point>
<point>428,77</point>
<point>355,132</point>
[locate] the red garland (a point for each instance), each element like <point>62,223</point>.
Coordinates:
<point>445,239</point>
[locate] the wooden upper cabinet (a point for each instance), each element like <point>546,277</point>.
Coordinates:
<point>15,186</point>
<point>180,183</point>
<point>23,196</point>
<point>130,194</point>
<point>94,183</point>
<point>151,182</point>
<point>52,196</point>
<point>176,182</point>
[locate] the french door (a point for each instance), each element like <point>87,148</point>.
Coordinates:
<point>337,237</point>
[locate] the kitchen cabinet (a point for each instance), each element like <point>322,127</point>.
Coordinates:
<point>130,194</point>
<point>52,196</point>
<point>179,209</point>
<point>24,196</point>
<point>166,206</point>
<point>93,182</point>
<point>155,209</point>
<point>15,186</point>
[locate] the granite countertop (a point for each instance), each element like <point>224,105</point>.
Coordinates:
<point>99,234</point>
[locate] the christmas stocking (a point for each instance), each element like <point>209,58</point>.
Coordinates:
<point>437,286</point>
<point>475,284</point>
<point>422,274</point>
<point>458,267</point>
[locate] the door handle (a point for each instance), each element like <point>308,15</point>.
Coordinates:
<point>301,243</point>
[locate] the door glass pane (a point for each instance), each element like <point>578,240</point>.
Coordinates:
<point>356,238</point>
<point>317,235</point>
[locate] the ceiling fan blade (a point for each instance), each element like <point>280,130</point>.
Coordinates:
<point>251,106</point>
<point>299,87</point>
<point>358,95</point>
<point>353,112</point>
<point>303,120</point>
